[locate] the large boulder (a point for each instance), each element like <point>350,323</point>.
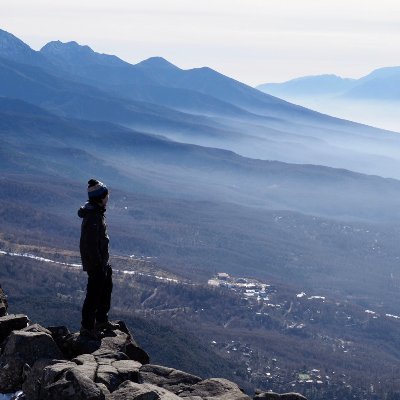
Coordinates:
<point>31,346</point>
<point>21,350</point>
<point>12,322</point>
<point>173,380</point>
<point>3,303</point>
<point>145,391</point>
<point>215,389</point>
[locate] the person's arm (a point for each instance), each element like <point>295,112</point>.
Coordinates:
<point>92,240</point>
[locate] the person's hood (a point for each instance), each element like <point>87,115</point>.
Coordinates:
<point>89,208</point>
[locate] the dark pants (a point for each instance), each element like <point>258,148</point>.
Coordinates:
<point>98,298</point>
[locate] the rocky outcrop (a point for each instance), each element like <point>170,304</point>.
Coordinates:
<point>54,364</point>
<point>21,350</point>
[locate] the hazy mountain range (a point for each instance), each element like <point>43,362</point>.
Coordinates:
<point>165,136</point>
<point>373,98</point>
<point>206,174</point>
<point>198,106</point>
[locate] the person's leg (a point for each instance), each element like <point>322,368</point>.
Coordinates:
<point>94,292</point>
<point>104,303</point>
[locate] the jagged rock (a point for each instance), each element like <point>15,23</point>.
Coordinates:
<point>31,385</point>
<point>128,370</point>
<point>122,340</point>
<point>11,323</point>
<point>3,303</point>
<point>174,380</point>
<point>277,396</point>
<point>72,384</point>
<point>215,389</point>
<point>23,348</point>
<point>11,374</point>
<point>134,391</point>
<point>98,369</point>
<point>106,372</point>
<point>74,345</point>
<point>86,363</point>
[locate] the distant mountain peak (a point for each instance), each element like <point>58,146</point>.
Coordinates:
<point>157,62</point>
<point>72,52</point>
<point>383,72</point>
<point>57,46</point>
<point>14,49</point>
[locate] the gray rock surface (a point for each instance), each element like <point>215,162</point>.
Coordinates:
<point>174,380</point>
<point>71,385</point>
<point>145,391</point>
<point>215,389</point>
<point>21,350</point>
<point>74,344</point>
<point>33,380</point>
<point>107,372</point>
<point>36,328</point>
<point>31,346</point>
<point>12,322</point>
<point>54,364</point>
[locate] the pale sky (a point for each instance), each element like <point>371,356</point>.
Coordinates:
<point>254,41</point>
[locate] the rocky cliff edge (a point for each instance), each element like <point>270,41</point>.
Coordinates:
<point>52,363</point>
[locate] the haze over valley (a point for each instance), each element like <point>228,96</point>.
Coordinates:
<point>372,99</point>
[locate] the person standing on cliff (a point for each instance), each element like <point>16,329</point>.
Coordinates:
<point>94,254</point>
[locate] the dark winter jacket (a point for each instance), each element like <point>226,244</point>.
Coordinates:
<point>94,238</point>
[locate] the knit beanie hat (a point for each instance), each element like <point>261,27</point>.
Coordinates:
<point>96,190</point>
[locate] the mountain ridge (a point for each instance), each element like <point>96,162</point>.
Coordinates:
<point>374,85</point>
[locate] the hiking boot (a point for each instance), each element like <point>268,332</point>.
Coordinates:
<point>89,333</point>
<point>106,326</point>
